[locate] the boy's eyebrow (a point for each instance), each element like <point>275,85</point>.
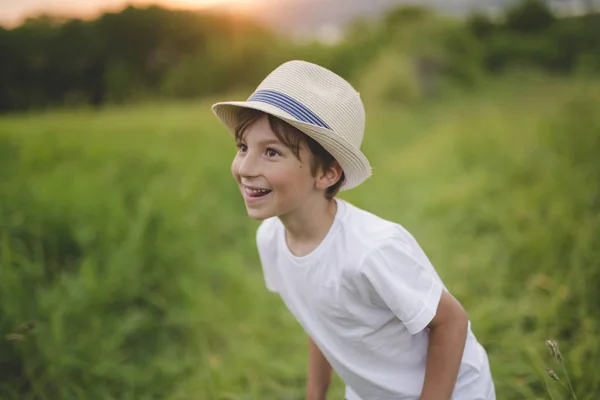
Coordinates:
<point>270,141</point>
<point>266,142</point>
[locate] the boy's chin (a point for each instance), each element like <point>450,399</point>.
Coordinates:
<point>259,215</point>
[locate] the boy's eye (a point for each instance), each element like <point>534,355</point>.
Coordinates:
<point>243,148</point>
<point>272,152</point>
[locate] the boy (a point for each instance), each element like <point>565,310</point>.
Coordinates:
<point>373,306</point>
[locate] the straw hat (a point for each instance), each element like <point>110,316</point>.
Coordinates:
<point>317,102</point>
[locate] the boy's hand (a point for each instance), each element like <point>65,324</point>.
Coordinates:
<point>447,337</point>
<point>319,374</point>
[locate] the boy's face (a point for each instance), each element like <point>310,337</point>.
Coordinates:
<point>272,180</point>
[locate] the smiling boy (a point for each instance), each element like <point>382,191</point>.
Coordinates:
<point>373,306</point>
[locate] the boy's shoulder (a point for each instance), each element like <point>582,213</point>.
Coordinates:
<point>370,231</point>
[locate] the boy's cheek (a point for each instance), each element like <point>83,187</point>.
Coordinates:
<point>235,169</point>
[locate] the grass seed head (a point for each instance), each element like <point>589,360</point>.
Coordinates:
<point>15,337</point>
<point>552,374</point>
<point>553,345</point>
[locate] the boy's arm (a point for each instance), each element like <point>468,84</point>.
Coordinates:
<point>319,373</point>
<point>447,337</point>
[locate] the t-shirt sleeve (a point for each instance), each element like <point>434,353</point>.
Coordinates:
<point>262,244</point>
<point>407,287</point>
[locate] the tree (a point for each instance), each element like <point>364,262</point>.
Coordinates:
<point>529,16</point>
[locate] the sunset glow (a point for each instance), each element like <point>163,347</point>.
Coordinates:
<point>206,3</point>
<point>240,5</point>
<point>13,13</point>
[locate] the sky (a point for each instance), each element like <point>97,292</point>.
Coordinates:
<point>12,12</point>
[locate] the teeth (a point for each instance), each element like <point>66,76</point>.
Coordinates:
<point>258,190</point>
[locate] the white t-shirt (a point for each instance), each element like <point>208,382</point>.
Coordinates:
<point>365,296</point>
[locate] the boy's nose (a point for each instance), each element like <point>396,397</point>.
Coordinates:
<point>248,166</point>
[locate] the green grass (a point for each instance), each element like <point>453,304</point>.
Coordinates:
<point>123,236</point>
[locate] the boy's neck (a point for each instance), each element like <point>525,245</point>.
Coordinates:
<point>306,227</point>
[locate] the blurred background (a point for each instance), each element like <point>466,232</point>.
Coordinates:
<point>128,267</point>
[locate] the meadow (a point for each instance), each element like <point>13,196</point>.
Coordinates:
<point>124,241</point>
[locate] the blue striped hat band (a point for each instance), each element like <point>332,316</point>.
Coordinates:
<point>289,105</point>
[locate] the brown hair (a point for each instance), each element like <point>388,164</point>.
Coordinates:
<point>292,138</point>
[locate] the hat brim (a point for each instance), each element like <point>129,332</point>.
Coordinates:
<point>354,163</point>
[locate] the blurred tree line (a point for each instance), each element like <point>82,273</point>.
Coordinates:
<point>155,52</point>
<point>136,53</point>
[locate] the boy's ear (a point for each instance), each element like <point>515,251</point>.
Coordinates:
<point>329,176</point>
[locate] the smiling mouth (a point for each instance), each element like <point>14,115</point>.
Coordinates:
<point>256,193</point>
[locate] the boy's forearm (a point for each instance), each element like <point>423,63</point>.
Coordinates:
<point>446,347</point>
<point>319,374</point>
